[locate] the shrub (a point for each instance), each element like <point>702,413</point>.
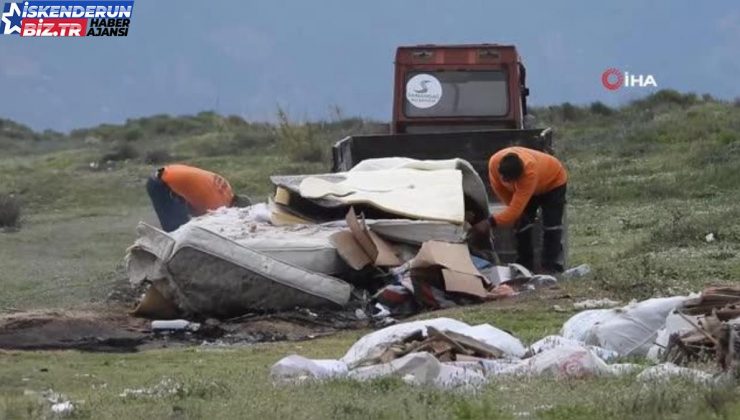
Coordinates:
<point>667,97</point>
<point>133,134</point>
<point>299,141</point>
<point>570,112</point>
<point>10,211</point>
<point>600,109</point>
<point>121,151</point>
<point>157,156</point>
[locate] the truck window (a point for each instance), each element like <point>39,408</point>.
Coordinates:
<point>456,94</point>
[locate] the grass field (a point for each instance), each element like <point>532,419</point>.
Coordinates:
<point>648,182</point>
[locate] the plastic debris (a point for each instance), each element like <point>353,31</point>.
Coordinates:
<point>576,272</point>
<point>554,341</point>
<point>569,362</point>
<point>296,368</point>
<point>595,304</point>
<point>63,408</point>
<point>579,325</point>
<point>632,329</point>
<point>164,388</point>
<point>175,325</point>
<point>667,371</point>
<point>360,314</point>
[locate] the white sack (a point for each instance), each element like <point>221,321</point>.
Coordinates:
<point>633,330</point>
<point>296,368</point>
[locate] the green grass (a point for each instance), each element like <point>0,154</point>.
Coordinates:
<point>648,182</point>
<point>233,383</point>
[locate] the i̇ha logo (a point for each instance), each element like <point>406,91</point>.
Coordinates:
<point>614,79</point>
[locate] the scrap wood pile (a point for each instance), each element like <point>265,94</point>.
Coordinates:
<point>713,329</point>
<point>388,237</point>
<point>446,346</point>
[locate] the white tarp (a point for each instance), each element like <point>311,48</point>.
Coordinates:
<point>634,328</point>
<point>562,362</point>
<point>371,346</point>
<point>296,368</point>
<point>668,371</point>
<point>629,331</point>
<point>553,341</point>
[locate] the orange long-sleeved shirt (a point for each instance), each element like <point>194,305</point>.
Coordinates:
<point>542,173</point>
<point>203,190</point>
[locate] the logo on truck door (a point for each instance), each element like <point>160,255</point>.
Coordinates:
<point>423,91</point>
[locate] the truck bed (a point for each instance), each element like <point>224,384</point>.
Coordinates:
<point>474,146</point>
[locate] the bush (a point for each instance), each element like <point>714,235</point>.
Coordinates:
<point>569,111</point>
<point>299,141</point>
<point>121,151</point>
<point>667,97</point>
<point>10,211</point>
<point>600,109</point>
<point>133,134</point>
<point>157,156</point>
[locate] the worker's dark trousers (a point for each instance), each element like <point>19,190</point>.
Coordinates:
<point>552,204</point>
<point>171,209</point>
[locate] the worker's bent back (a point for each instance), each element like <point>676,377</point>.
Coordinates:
<point>203,190</point>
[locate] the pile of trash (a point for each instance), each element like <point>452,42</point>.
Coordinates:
<point>707,326</point>
<point>448,353</point>
<point>388,237</point>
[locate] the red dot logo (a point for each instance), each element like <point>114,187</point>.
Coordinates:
<point>612,78</point>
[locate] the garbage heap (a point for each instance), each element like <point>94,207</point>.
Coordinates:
<point>387,237</point>
<point>707,326</point>
<point>448,353</point>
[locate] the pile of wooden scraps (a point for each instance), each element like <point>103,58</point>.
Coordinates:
<point>447,346</point>
<point>716,332</point>
<point>724,301</point>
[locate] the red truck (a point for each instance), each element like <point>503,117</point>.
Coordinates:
<point>454,101</point>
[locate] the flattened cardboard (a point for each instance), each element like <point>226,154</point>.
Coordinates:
<point>350,251</point>
<point>458,271</point>
<point>360,246</point>
<point>463,283</point>
<point>361,235</point>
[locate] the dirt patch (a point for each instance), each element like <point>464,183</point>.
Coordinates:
<point>61,330</point>
<point>111,330</point>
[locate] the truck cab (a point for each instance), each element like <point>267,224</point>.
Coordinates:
<point>458,88</point>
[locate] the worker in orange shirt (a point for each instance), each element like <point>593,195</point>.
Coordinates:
<point>527,180</point>
<point>180,191</point>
